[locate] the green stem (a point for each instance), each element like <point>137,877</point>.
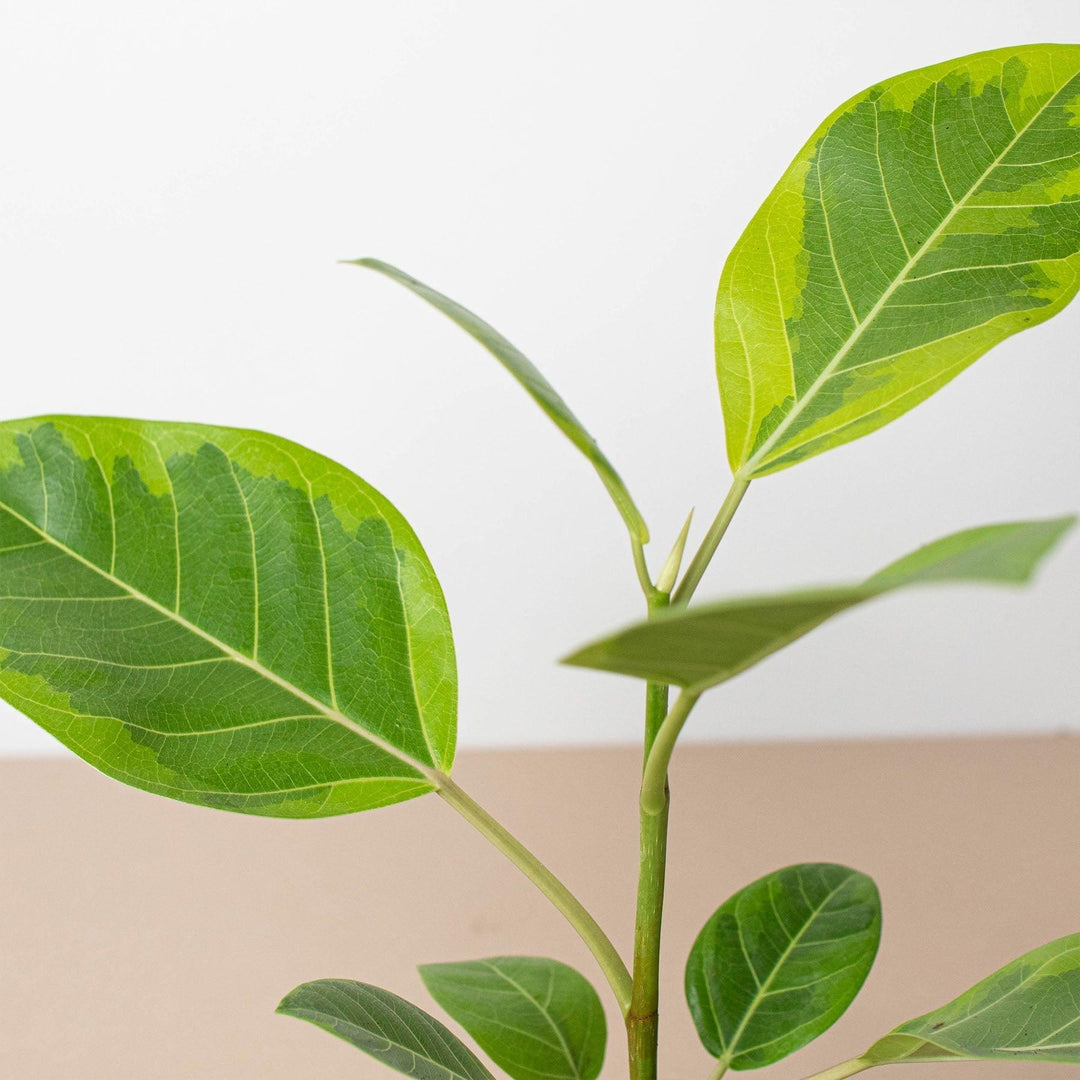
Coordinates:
<point>642,1020</point>
<point>844,1069</point>
<point>721,1068</point>
<point>647,587</point>
<point>662,727</point>
<point>711,541</point>
<point>654,796</point>
<point>572,909</point>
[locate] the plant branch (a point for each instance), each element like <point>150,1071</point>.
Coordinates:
<point>711,541</point>
<point>573,910</point>
<point>654,781</point>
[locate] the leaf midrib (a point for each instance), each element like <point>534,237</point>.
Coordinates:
<point>429,773</point>
<point>829,370</point>
<point>731,1050</point>
<point>320,1017</point>
<point>1030,977</point>
<point>576,1071</point>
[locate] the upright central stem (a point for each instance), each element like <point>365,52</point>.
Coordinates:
<point>642,1019</point>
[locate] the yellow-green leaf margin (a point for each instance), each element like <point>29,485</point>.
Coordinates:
<point>220,616</point>
<point>927,219</point>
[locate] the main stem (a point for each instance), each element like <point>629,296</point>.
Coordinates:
<point>572,909</point>
<point>643,1018</point>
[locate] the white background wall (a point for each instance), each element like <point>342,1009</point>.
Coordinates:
<point>179,179</point>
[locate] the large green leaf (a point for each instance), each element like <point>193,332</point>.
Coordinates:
<point>220,616</point>
<point>385,1026</point>
<point>780,961</point>
<point>537,1019</point>
<point>1027,1011</point>
<point>927,219</point>
<point>538,388</point>
<point>702,646</point>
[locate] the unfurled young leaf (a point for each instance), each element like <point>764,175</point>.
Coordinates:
<point>220,616</point>
<point>927,219</point>
<point>536,1019</point>
<point>702,646</point>
<point>1027,1011</point>
<point>780,961</point>
<point>537,387</point>
<point>387,1027</point>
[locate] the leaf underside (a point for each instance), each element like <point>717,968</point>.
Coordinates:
<point>535,385</point>
<point>537,1019</point>
<point>220,616</point>
<point>1029,1010</point>
<point>779,962</point>
<point>389,1028</point>
<point>705,645</point>
<point>927,219</point>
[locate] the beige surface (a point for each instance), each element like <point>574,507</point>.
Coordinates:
<point>141,938</point>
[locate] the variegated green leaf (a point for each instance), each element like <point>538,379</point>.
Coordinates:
<point>220,616</point>
<point>927,219</point>
<point>536,386</point>
<point>705,645</point>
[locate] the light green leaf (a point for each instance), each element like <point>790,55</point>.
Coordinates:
<point>927,219</point>
<point>702,646</point>
<point>220,616</point>
<point>537,1019</point>
<point>780,961</point>
<point>537,387</point>
<point>385,1026</point>
<point>1027,1011</point>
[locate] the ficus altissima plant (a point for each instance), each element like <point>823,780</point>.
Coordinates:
<point>224,617</point>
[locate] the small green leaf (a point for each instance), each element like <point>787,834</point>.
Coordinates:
<point>387,1027</point>
<point>220,616</point>
<point>780,961</point>
<point>1027,1011</point>
<point>537,1019</point>
<point>702,646</point>
<point>537,387</point>
<point>926,220</point>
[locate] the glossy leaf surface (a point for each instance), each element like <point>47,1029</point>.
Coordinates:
<point>1027,1011</point>
<point>385,1026</point>
<point>536,1019</point>
<point>780,961</point>
<point>220,616</point>
<point>701,646</point>
<point>927,219</point>
<point>537,387</point>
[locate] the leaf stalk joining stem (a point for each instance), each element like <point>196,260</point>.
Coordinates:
<point>647,587</point>
<point>654,793</point>
<point>598,943</point>
<point>711,541</point>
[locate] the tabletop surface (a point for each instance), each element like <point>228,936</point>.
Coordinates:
<point>143,938</point>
